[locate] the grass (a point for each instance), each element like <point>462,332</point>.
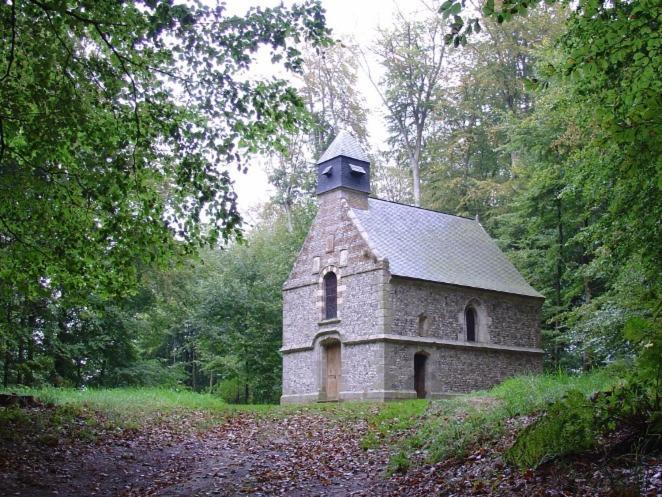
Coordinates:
<point>389,420</point>
<point>49,427</point>
<point>438,429</point>
<point>135,407</point>
<point>525,394</point>
<point>453,427</point>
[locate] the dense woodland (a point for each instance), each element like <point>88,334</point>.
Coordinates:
<point>123,259</point>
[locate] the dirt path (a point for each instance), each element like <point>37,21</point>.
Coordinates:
<point>302,454</point>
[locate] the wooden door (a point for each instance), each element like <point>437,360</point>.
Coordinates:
<point>419,375</point>
<point>332,371</point>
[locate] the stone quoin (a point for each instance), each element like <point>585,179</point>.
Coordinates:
<point>389,301</point>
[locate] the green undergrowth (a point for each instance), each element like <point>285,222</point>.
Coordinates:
<point>133,408</point>
<point>389,420</point>
<point>567,427</point>
<point>626,418</point>
<point>451,428</point>
<point>434,430</point>
<point>137,407</point>
<point>49,427</point>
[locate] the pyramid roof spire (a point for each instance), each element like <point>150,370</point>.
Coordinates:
<point>346,145</point>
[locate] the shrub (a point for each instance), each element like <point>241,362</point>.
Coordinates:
<point>576,422</point>
<point>567,427</point>
<point>231,391</point>
<point>399,463</point>
<point>149,373</point>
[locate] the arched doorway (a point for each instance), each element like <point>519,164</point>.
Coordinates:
<point>420,362</point>
<point>332,370</point>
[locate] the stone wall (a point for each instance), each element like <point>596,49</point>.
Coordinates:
<point>332,232</point>
<point>455,369</point>
<point>333,244</point>
<point>506,319</point>
<point>295,381</point>
<point>362,370</point>
<point>507,342</point>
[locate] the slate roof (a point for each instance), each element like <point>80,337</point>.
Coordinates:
<point>344,144</point>
<point>434,246</point>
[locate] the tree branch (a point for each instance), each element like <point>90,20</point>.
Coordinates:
<point>134,88</point>
<point>10,60</point>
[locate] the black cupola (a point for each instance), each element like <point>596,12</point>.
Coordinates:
<point>343,165</point>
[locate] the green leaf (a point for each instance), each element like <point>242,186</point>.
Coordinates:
<point>446,5</point>
<point>456,8</point>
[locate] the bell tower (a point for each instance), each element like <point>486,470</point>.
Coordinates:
<point>344,165</point>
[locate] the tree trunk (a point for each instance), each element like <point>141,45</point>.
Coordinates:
<point>416,177</point>
<point>19,362</point>
<point>559,259</point>
<point>30,373</point>
<point>559,273</point>
<point>194,379</point>
<point>288,216</point>
<point>588,294</point>
<point>417,185</point>
<point>5,379</point>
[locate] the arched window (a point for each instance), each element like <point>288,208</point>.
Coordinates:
<point>330,296</point>
<point>470,318</point>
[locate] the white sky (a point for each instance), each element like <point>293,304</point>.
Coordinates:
<point>355,19</point>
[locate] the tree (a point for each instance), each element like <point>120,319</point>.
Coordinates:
<point>220,321</point>
<point>413,55</point>
<point>117,121</point>
<point>612,56</point>
<point>470,167</point>
<point>329,91</point>
<point>600,96</point>
<point>390,180</point>
<point>292,173</point>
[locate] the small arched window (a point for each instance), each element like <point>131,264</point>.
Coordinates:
<point>470,318</point>
<point>330,296</point>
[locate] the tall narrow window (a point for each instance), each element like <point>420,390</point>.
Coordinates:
<point>423,325</point>
<point>330,296</point>
<point>470,315</point>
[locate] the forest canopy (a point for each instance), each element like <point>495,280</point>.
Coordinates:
<point>118,122</point>
<point>545,126</point>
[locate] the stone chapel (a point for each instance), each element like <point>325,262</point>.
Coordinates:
<point>389,301</point>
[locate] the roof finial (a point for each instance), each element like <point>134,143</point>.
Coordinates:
<point>477,218</point>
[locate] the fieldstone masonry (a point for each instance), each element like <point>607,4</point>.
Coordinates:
<point>384,319</point>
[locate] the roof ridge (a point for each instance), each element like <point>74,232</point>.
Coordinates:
<point>423,208</point>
